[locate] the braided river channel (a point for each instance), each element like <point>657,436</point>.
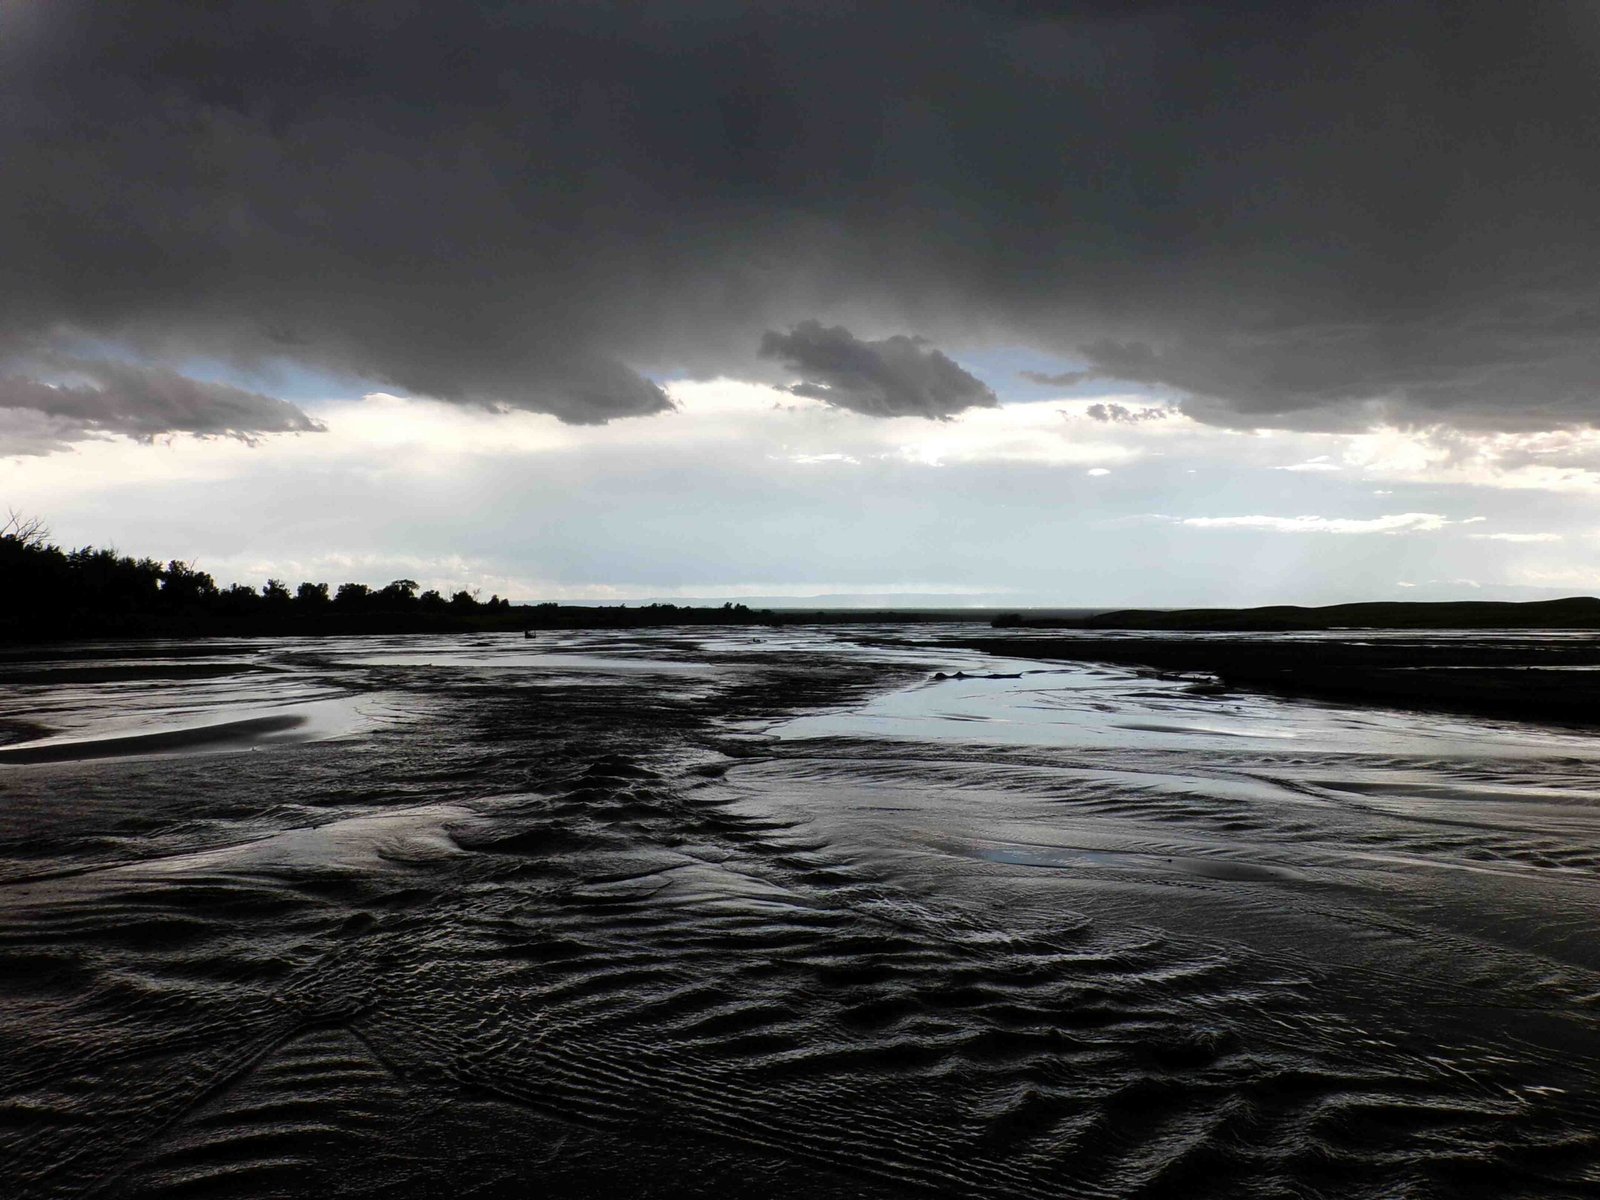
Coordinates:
<point>826,911</point>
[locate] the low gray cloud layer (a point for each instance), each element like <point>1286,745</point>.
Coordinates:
<point>138,401</point>
<point>892,377</point>
<point>1063,379</point>
<point>1311,216</point>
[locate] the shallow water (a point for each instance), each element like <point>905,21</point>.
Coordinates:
<point>778,912</point>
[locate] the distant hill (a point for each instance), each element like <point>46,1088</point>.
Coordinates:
<point>1573,612</point>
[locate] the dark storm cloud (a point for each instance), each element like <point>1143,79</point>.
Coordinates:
<point>893,377</point>
<point>1467,369</point>
<point>139,401</point>
<point>1311,215</point>
<point>1064,379</point>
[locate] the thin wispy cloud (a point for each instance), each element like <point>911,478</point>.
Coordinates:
<point>1393,523</point>
<point>1524,538</point>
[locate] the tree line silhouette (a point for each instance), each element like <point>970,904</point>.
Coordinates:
<point>49,593</point>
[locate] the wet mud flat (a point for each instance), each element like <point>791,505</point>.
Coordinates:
<point>721,913</point>
<point>1556,679</point>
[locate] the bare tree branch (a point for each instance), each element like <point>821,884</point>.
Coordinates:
<point>28,531</point>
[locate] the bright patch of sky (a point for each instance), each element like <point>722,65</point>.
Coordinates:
<point>748,491</point>
<point>1007,369</point>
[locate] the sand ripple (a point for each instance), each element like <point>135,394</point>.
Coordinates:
<point>600,937</point>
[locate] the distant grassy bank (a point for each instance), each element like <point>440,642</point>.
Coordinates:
<point>1520,680</point>
<point>1573,612</point>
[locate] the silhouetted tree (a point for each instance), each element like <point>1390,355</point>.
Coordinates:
<point>352,596</point>
<point>24,532</point>
<point>103,580</point>
<point>45,591</point>
<point>181,584</point>
<point>400,593</point>
<point>35,574</point>
<point>239,600</point>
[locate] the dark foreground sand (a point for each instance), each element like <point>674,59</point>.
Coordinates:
<point>716,914</point>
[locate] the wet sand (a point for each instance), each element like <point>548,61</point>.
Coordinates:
<point>782,913</point>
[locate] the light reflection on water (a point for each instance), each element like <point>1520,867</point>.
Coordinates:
<point>1077,706</point>
<point>205,698</point>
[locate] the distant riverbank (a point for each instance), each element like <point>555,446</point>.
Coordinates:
<point>1572,612</point>
<point>48,594</point>
<point>1519,679</point>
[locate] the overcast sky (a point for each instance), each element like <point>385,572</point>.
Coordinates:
<point>1080,304</point>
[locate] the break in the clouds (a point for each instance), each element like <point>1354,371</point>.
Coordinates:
<point>1317,216</point>
<point>748,491</point>
<point>893,377</point>
<point>99,397</point>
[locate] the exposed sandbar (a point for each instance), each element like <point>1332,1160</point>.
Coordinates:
<point>1529,681</point>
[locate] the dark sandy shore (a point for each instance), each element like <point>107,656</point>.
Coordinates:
<point>765,914</point>
<point>1522,679</point>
